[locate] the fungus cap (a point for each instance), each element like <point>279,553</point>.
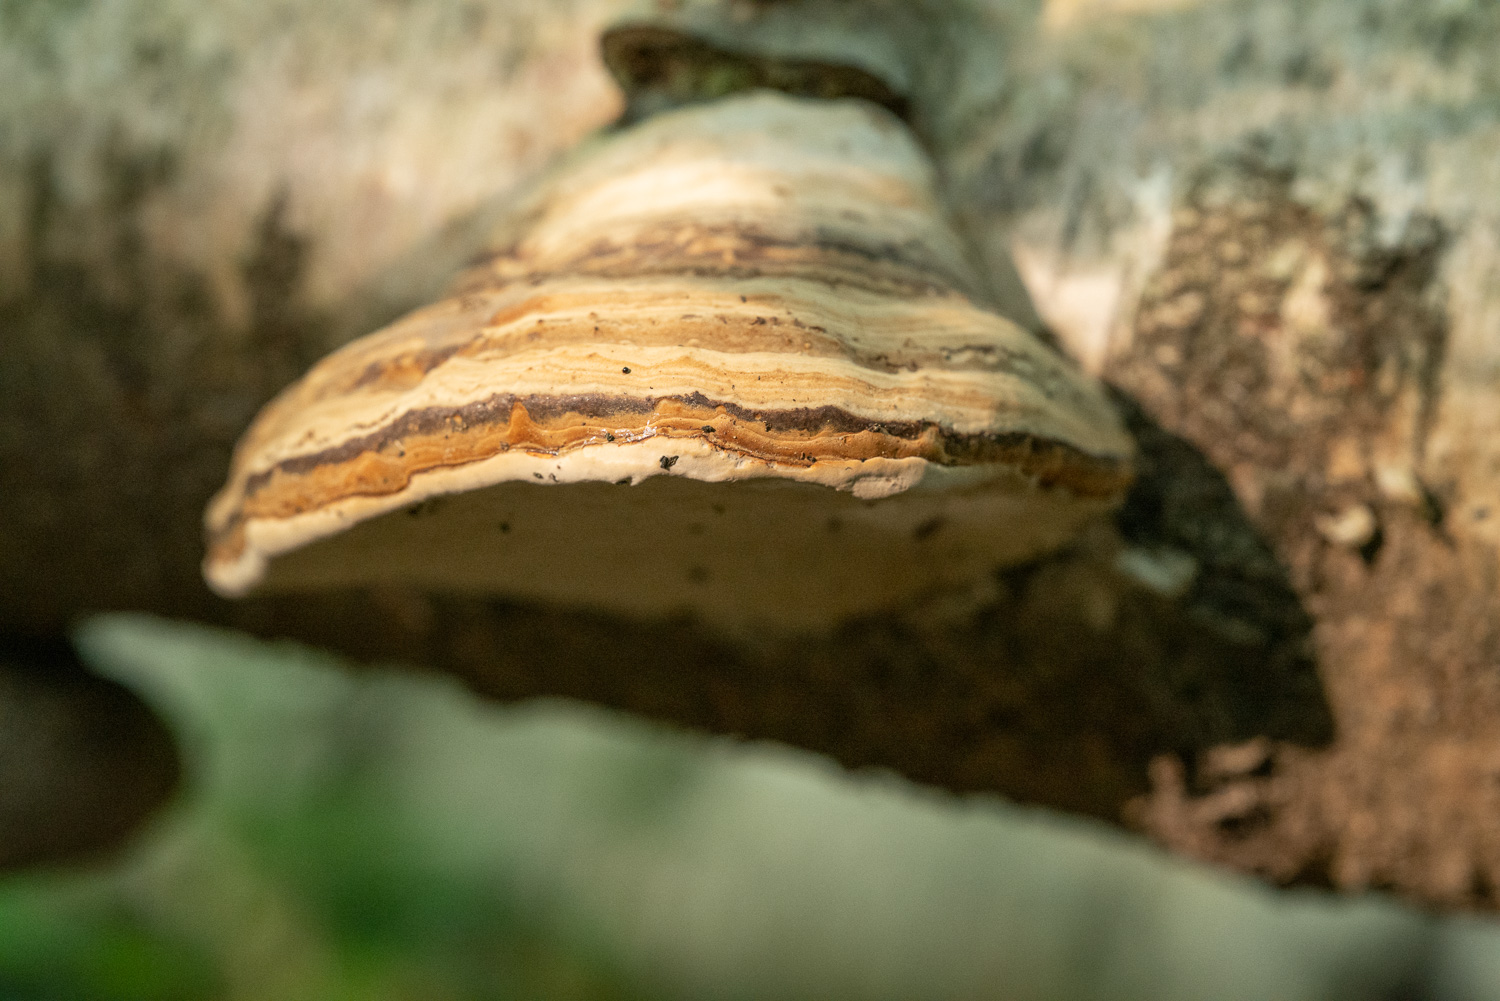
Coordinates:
<point>736,364</point>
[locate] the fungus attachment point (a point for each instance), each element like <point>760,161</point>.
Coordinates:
<point>815,353</point>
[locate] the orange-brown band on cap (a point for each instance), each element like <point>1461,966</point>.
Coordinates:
<point>383,462</point>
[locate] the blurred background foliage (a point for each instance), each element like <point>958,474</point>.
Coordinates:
<point>385,835</point>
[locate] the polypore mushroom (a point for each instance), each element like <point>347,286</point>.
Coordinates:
<point>736,365</point>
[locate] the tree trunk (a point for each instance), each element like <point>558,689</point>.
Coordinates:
<point>1270,225</point>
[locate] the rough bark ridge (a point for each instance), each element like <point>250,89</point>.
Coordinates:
<point>1271,230</point>
<point>1300,358</point>
<point>1268,224</point>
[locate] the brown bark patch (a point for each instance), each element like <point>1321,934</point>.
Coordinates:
<point>1301,356</point>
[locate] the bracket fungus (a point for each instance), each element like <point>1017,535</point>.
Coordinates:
<point>736,364</point>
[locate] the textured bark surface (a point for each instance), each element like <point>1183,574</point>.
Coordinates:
<point>1269,224</point>
<point>1272,229</point>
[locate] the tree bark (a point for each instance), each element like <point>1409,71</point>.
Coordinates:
<point>1270,225</point>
